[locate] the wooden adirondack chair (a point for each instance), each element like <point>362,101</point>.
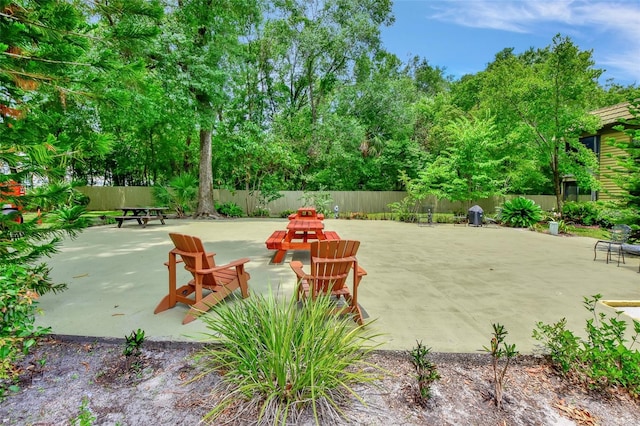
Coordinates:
<point>331,263</point>
<point>220,280</point>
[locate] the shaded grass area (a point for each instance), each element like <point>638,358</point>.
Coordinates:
<point>589,231</point>
<point>97,217</point>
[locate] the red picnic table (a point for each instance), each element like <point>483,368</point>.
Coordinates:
<point>304,226</point>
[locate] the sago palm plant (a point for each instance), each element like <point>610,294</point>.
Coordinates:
<point>520,213</point>
<point>180,195</point>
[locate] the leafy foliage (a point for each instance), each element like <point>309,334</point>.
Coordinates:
<point>230,209</point>
<point>84,417</point>
<point>583,213</point>
<point>499,349</point>
<point>427,373</point>
<point>540,100</point>
<point>181,195</point>
<point>321,200</point>
<point>603,213</point>
<point>520,213</point>
<point>22,279</point>
<point>468,167</point>
<point>283,358</point>
<point>562,344</point>
<point>406,210</point>
<point>43,71</point>
<point>266,195</point>
<point>133,343</point>
<point>133,349</point>
<point>627,173</point>
<point>600,360</point>
<point>269,96</point>
<point>20,287</point>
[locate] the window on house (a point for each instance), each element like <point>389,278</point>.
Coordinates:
<point>570,192</point>
<point>593,143</point>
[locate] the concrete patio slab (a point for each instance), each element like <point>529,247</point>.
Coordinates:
<point>443,285</point>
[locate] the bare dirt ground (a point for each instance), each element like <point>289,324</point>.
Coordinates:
<point>90,380</point>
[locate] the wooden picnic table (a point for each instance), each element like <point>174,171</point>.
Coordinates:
<point>304,227</point>
<point>142,214</point>
<point>306,213</point>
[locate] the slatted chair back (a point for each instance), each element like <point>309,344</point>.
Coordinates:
<point>220,280</point>
<point>195,258</point>
<point>331,262</point>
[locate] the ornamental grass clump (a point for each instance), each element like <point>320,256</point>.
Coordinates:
<point>280,358</point>
<point>520,213</point>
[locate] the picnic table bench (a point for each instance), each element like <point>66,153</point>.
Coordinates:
<point>141,214</point>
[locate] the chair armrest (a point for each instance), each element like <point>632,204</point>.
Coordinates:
<point>296,266</point>
<point>361,272</point>
<point>321,260</point>
<point>235,264</point>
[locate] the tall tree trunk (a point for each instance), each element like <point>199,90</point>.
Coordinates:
<point>206,208</point>
<point>557,179</point>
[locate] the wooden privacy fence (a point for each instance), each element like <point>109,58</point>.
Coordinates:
<point>115,197</point>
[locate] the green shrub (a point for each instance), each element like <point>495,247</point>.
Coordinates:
<point>181,195</point>
<point>602,213</point>
<point>22,279</point>
<point>520,213</point>
<point>562,344</point>
<point>405,210</point>
<point>498,349</point>
<point>49,197</point>
<point>285,213</point>
<point>133,349</point>
<point>426,371</point>
<point>84,417</point>
<point>442,218</point>
<point>581,213</point>
<point>612,215</point>
<point>603,358</point>
<point>355,215</point>
<point>563,228</point>
<point>320,199</point>
<point>19,289</point>
<point>229,209</point>
<point>284,357</point>
<point>260,212</point>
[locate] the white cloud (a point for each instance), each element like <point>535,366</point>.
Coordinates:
<point>618,21</point>
<point>513,16</point>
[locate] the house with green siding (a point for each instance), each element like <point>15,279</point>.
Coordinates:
<point>600,143</point>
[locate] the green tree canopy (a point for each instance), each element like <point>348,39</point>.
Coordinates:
<point>541,99</point>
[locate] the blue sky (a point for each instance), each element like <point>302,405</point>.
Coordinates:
<point>463,36</point>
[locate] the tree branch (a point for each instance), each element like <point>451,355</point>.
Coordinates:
<point>49,61</point>
<point>37,24</point>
